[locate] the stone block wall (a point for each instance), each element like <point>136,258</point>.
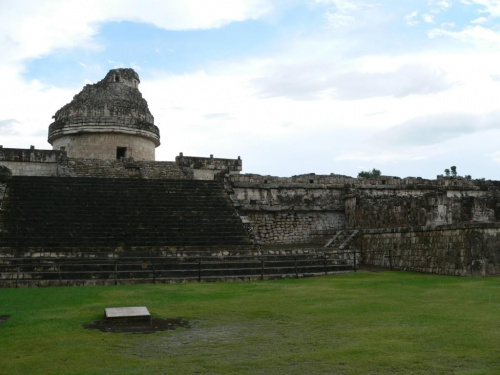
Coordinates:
<point>31,162</point>
<point>384,202</point>
<point>125,168</point>
<point>5,176</point>
<point>449,250</point>
<point>281,227</point>
<point>104,146</point>
<point>406,208</point>
<point>31,168</point>
<point>209,168</point>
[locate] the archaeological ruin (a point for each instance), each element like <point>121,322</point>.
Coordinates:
<point>98,209</point>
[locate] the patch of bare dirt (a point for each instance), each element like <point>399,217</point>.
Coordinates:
<point>154,325</point>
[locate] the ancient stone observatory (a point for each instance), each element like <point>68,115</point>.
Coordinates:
<point>107,120</point>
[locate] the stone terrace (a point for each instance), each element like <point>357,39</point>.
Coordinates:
<point>91,212</point>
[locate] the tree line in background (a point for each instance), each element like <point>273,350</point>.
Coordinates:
<point>374,173</point>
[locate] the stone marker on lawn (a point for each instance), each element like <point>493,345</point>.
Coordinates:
<point>127,314</point>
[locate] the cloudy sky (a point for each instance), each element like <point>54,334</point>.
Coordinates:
<point>410,87</point>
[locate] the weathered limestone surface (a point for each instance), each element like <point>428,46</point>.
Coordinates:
<point>288,227</point>
<point>379,203</point>
<point>50,163</point>
<point>209,168</point>
<point>22,267</point>
<point>104,145</point>
<point>31,162</point>
<point>125,168</point>
<point>109,114</point>
<point>447,225</point>
<point>460,251</point>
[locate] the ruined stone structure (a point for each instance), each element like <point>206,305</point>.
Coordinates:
<point>107,120</point>
<point>448,225</point>
<point>100,196</point>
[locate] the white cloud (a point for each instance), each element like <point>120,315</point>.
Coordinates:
<point>489,6</point>
<point>428,18</point>
<point>426,130</point>
<point>357,85</point>
<point>477,35</point>
<point>31,29</point>
<point>441,4</point>
<point>7,126</point>
<point>479,20</point>
<point>411,19</point>
<point>345,12</point>
<point>312,81</point>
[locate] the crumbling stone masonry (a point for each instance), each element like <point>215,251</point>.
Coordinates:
<point>426,225</point>
<point>107,120</point>
<point>106,133</point>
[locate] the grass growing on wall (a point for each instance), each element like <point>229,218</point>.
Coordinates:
<point>362,323</point>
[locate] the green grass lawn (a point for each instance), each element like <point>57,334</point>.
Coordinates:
<point>359,323</point>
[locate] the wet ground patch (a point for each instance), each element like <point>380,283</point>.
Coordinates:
<point>151,326</point>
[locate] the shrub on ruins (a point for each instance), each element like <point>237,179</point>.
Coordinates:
<point>453,173</point>
<point>369,174</point>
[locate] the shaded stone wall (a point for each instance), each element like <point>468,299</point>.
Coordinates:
<point>404,208</point>
<point>5,176</point>
<point>385,202</point>
<point>286,211</point>
<point>288,227</point>
<point>125,168</point>
<point>451,250</point>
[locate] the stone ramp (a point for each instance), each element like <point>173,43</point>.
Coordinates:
<point>50,212</point>
<point>342,239</point>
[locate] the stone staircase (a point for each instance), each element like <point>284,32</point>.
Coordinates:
<point>47,212</point>
<point>342,239</point>
<point>87,267</point>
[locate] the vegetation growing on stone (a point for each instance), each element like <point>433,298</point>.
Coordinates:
<point>374,173</point>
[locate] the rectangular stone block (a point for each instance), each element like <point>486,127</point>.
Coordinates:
<point>125,314</point>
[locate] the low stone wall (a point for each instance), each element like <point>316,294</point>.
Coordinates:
<point>209,168</point>
<point>450,250</point>
<point>31,168</point>
<point>31,162</point>
<point>84,267</point>
<point>281,227</point>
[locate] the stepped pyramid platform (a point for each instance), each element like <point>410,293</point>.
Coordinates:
<point>46,212</point>
<point>95,231</point>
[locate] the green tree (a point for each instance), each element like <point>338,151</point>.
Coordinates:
<point>453,171</point>
<point>374,173</point>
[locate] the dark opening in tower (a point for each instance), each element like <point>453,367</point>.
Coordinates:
<point>121,152</point>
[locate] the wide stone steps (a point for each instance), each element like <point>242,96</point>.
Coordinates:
<point>62,212</point>
<point>43,271</point>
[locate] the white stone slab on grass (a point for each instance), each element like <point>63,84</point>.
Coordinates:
<point>127,313</point>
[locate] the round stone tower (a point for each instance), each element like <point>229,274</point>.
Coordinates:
<point>107,120</point>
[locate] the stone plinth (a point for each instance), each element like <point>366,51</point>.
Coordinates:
<point>127,314</point>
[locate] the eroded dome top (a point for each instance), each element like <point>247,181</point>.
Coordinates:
<point>112,104</point>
